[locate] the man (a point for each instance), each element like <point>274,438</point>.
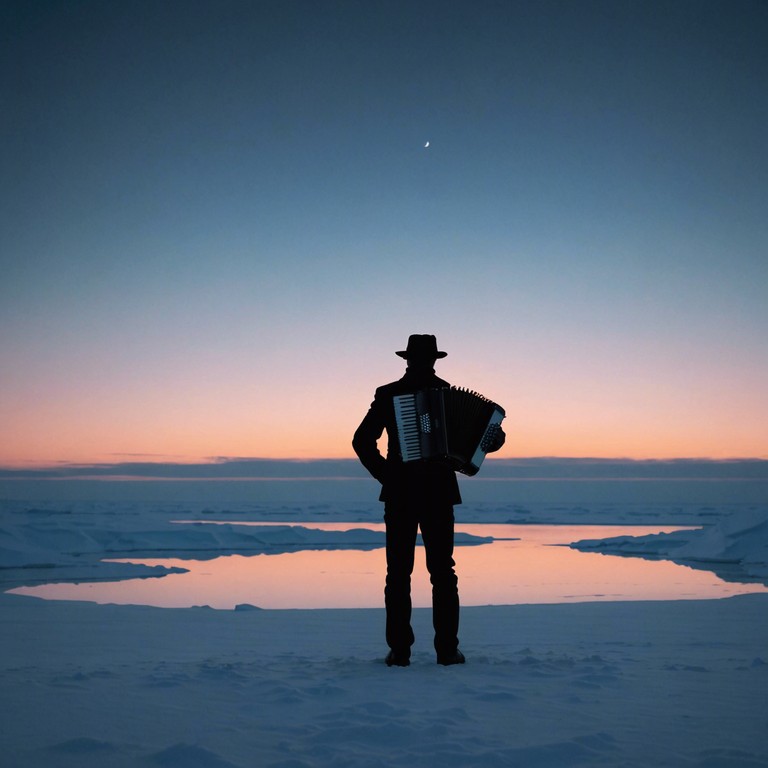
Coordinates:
<point>417,494</point>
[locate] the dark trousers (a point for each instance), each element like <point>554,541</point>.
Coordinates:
<point>402,520</point>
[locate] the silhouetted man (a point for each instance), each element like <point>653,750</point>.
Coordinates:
<point>416,494</point>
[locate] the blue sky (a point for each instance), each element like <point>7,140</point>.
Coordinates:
<point>220,220</point>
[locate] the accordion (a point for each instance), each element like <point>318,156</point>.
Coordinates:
<point>449,423</point>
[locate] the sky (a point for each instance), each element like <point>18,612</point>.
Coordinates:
<point>220,220</point>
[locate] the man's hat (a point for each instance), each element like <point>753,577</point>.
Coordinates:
<point>421,346</point>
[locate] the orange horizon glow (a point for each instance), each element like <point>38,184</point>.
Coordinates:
<point>81,429</point>
<point>523,441</point>
<point>262,408</point>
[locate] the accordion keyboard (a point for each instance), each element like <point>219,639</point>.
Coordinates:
<point>408,426</point>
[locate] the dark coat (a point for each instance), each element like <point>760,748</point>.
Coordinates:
<point>432,481</point>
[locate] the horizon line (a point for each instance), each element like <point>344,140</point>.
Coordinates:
<point>155,459</point>
<point>252,468</point>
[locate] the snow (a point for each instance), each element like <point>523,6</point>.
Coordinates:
<point>736,547</point>
<point>681,683</point>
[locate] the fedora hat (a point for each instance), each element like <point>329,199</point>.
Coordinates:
<point>421,346</point>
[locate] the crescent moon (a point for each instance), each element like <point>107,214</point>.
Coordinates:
<point>426,145</point>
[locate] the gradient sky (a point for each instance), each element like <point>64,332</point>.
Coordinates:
<point>219,221</point>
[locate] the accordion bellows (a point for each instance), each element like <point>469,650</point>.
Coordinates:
<point>448,423</point>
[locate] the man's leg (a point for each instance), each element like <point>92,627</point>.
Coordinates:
<point>437,533</point>
<point>401,527</point>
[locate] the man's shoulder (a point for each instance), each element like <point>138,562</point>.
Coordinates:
<point>393,388</point>
<point>401,386</point>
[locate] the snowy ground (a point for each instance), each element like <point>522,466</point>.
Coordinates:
<point>603,684</point>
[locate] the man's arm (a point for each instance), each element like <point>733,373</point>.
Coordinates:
<point>365,440</point>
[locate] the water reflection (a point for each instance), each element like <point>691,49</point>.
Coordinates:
<point>519,566</point>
